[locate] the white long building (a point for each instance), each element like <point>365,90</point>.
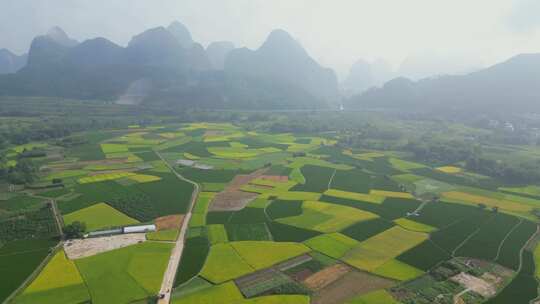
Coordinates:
<point>140,229</point>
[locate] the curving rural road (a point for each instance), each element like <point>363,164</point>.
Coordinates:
<point>176,254</point>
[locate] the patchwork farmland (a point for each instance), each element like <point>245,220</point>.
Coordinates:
<point>278,218</point>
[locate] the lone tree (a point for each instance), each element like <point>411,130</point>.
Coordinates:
<point>75,230</point>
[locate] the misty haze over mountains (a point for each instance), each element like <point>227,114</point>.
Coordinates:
<point>167,67</point>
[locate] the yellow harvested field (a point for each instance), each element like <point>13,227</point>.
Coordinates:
<point>414,226</point>
<point>113,148</point>
<point>383,247</point>
<point>326,217</point>
<point>370,198</point>
<point>59,272</point>
<point>144,178</point>
<point>450,169</point>
<point>368,156</point>
<point>404,165</point>
<point>397,270</point>
<point>392,194</point>
<point>104,177</point>
<point>467,198</point>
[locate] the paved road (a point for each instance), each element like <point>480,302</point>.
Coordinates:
<point>176,255</point>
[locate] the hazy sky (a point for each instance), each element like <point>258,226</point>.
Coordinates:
<point>468,33</point>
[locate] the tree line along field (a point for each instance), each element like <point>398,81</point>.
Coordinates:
<point>281,218</point>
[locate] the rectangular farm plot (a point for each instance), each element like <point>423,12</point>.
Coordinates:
<point>224,263</point>
<point>450,169</point>
<point>404,165</point>
<point>326,276</point>
<point>292,195</point>
<point>509,254</point>
<point>503,204</point>
<point>424,256</point>
<point>239,152</point>
<point>334,245</point>
<point>125,275</point>
<point>414,226</point>
<point>392,194</point>
<point>193,258</point>
<point>265,254</point>
<point>203,201</point>
<point>451,236</point>
<point>354,180</point>
<point>364,230</point>
<point>248,232</point>
<point>325,217</point>
<point>485,243</point>
<point>58,282</point>
<point>370,198</point>
<point>263,282</point>
<point>299,162</point>
<point>376,297</point>
<point>377,250</point>
<point>226,293</point>
<point>170,195</point>
<point>317,179</point>
<point>163,235</point>
<point>104,177</point>
<point>114,148</point>
<point>144,178</point>
<point>397,270</point>
<point>19,259</point>
<point>529,191</point>
<point>216,234</point>
<point>442,214</point>
<point>278,299</point>
<point>99,216</point>
<point>349,286</point>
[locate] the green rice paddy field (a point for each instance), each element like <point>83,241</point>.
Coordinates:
<point>312,207</point>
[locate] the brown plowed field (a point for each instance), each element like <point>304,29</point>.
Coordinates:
<point>352,284</point>
<point>232,199</point>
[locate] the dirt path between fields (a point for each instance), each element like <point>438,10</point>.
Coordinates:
<point>176,254</point>
<point>59,220</point>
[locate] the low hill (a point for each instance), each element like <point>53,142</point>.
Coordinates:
<point>510,85</point>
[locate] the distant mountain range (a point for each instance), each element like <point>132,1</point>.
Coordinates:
<point>513,85</point>
<point>165,66</point>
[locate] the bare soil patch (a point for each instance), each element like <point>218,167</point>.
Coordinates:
<point>232,198</point>
<point>301,275</point>
<point>77,249</point>
<point>169,222</point>
<point>475,284</point>
<point>326,276</point>
<point>352,284</point>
